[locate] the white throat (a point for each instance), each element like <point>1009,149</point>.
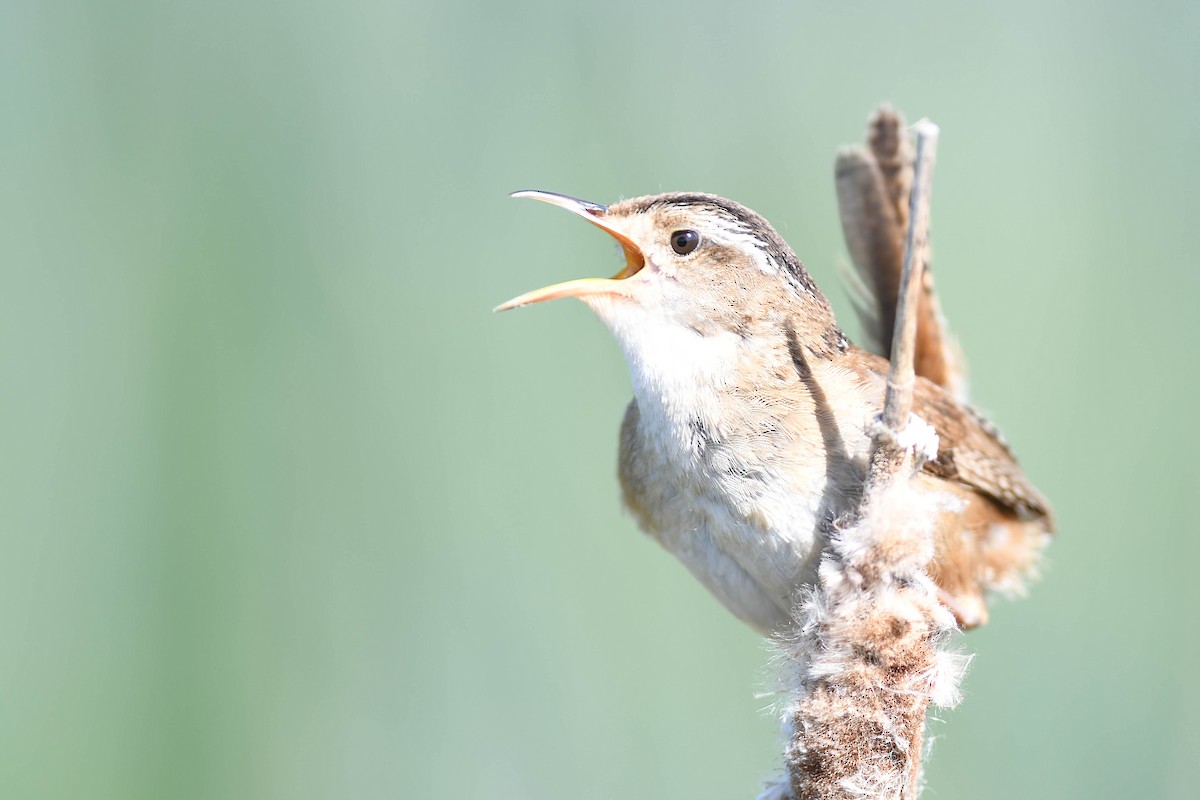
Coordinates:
<point>677,373</point>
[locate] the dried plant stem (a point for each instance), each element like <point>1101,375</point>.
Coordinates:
<point>869,639</point>
<point>898,405</point>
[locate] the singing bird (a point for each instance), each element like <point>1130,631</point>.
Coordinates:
<point>748,435</point>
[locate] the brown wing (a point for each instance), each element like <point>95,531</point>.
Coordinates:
<point>972,452</point>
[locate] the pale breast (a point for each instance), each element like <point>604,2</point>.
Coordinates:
<point>743,500</point>
<point>733,458</point>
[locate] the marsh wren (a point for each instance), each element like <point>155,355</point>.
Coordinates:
<point>748,436</point>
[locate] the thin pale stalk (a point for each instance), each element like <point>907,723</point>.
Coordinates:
<point>898,405</point>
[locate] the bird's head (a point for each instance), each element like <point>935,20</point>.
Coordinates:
<point>696,265</point>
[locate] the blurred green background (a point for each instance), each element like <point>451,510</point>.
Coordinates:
<point>287,512</point>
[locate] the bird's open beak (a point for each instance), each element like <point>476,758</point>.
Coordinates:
<point>595,214</point>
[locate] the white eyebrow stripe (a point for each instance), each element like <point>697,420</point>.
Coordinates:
<point>732,232</point>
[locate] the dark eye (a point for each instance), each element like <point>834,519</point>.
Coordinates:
<point>684,242</point>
